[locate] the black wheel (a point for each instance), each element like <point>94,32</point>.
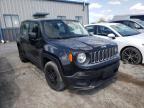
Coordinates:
<point>131,55</point>
<point>53,77</point>
<point>21,55</point>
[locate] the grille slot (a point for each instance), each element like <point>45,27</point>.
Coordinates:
<point>103,55</point>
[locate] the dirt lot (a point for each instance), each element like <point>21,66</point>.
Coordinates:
<point>24,86</point>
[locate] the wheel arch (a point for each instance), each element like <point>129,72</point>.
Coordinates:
<point>50,57</point>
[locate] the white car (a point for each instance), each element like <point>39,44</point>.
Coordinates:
<point>130,42</point>
<point>136,24</point>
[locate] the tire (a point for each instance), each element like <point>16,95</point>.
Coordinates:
<point>131,55</point>
<point>21,55</point>
<point>53,76</point>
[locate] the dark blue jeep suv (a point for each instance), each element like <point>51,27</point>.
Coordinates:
<point>67,54</point>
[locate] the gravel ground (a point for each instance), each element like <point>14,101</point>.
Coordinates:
<point>24,86</point>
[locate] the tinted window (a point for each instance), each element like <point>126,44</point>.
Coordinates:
<point>134,25</point>
<point>90,29</point>
<point>34,28</point>
<point>24,28</point>
<point>104,31</point>
<point>137,17</point>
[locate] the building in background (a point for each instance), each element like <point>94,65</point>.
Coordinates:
<point>127,17</point>
<point>12,12</point>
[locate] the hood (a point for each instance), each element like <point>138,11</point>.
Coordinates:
<point>83,43</point>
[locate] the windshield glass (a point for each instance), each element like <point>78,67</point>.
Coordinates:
<point>64,29</point>
<point>124,30</point>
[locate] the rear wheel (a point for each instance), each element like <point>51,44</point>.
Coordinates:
<point>53,77</point>
<point>131,55</point>
<point>21,55</point>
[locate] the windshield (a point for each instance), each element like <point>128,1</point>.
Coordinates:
<point>64,29</point>
<point>124,30</point>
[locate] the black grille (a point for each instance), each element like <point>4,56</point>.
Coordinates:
<point>103,55</point>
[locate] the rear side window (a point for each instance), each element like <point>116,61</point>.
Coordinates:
<point>24,28</point>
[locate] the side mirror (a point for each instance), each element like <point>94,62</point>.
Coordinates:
<point>112,36</point>
<point>32,36</point>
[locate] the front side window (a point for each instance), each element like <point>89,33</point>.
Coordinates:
<point>124,30</point>
<point>90,29</point>
<point>64,29</point>
<point>104,31</point>
<point>34,28</point>
<point>24,28</point>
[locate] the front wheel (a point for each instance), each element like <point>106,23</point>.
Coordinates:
<point>53,77</point>
<point>131,55</point>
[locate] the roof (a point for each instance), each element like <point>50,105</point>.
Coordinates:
<point>102,24</point>
<point>131,14</point>
<point>46,19</point>
<point>134,20</point>
<point>68,1</point>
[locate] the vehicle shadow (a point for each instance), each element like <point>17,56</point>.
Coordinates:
<point>93,91</point>
<point>9,90</point>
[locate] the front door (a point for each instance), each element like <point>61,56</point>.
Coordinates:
<point>35,43</point>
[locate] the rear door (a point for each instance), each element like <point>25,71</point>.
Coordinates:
<point>24,36</point>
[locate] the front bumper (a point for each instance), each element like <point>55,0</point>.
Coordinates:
<point>90,79</point>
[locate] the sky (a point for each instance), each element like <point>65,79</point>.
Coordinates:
<point>106,9</point>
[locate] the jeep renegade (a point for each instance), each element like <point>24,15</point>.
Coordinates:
<point>67,54</point>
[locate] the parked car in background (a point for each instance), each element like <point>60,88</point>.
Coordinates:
<point>130,42</point>
<point>130,16</point>
<point>69,56</point>
<point>136,24</point>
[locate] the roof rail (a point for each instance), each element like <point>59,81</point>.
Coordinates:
<point>40,15</point>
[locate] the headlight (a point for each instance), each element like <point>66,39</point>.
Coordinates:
<point>81,57</point>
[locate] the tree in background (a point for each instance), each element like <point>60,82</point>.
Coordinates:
<point>101,20</point>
